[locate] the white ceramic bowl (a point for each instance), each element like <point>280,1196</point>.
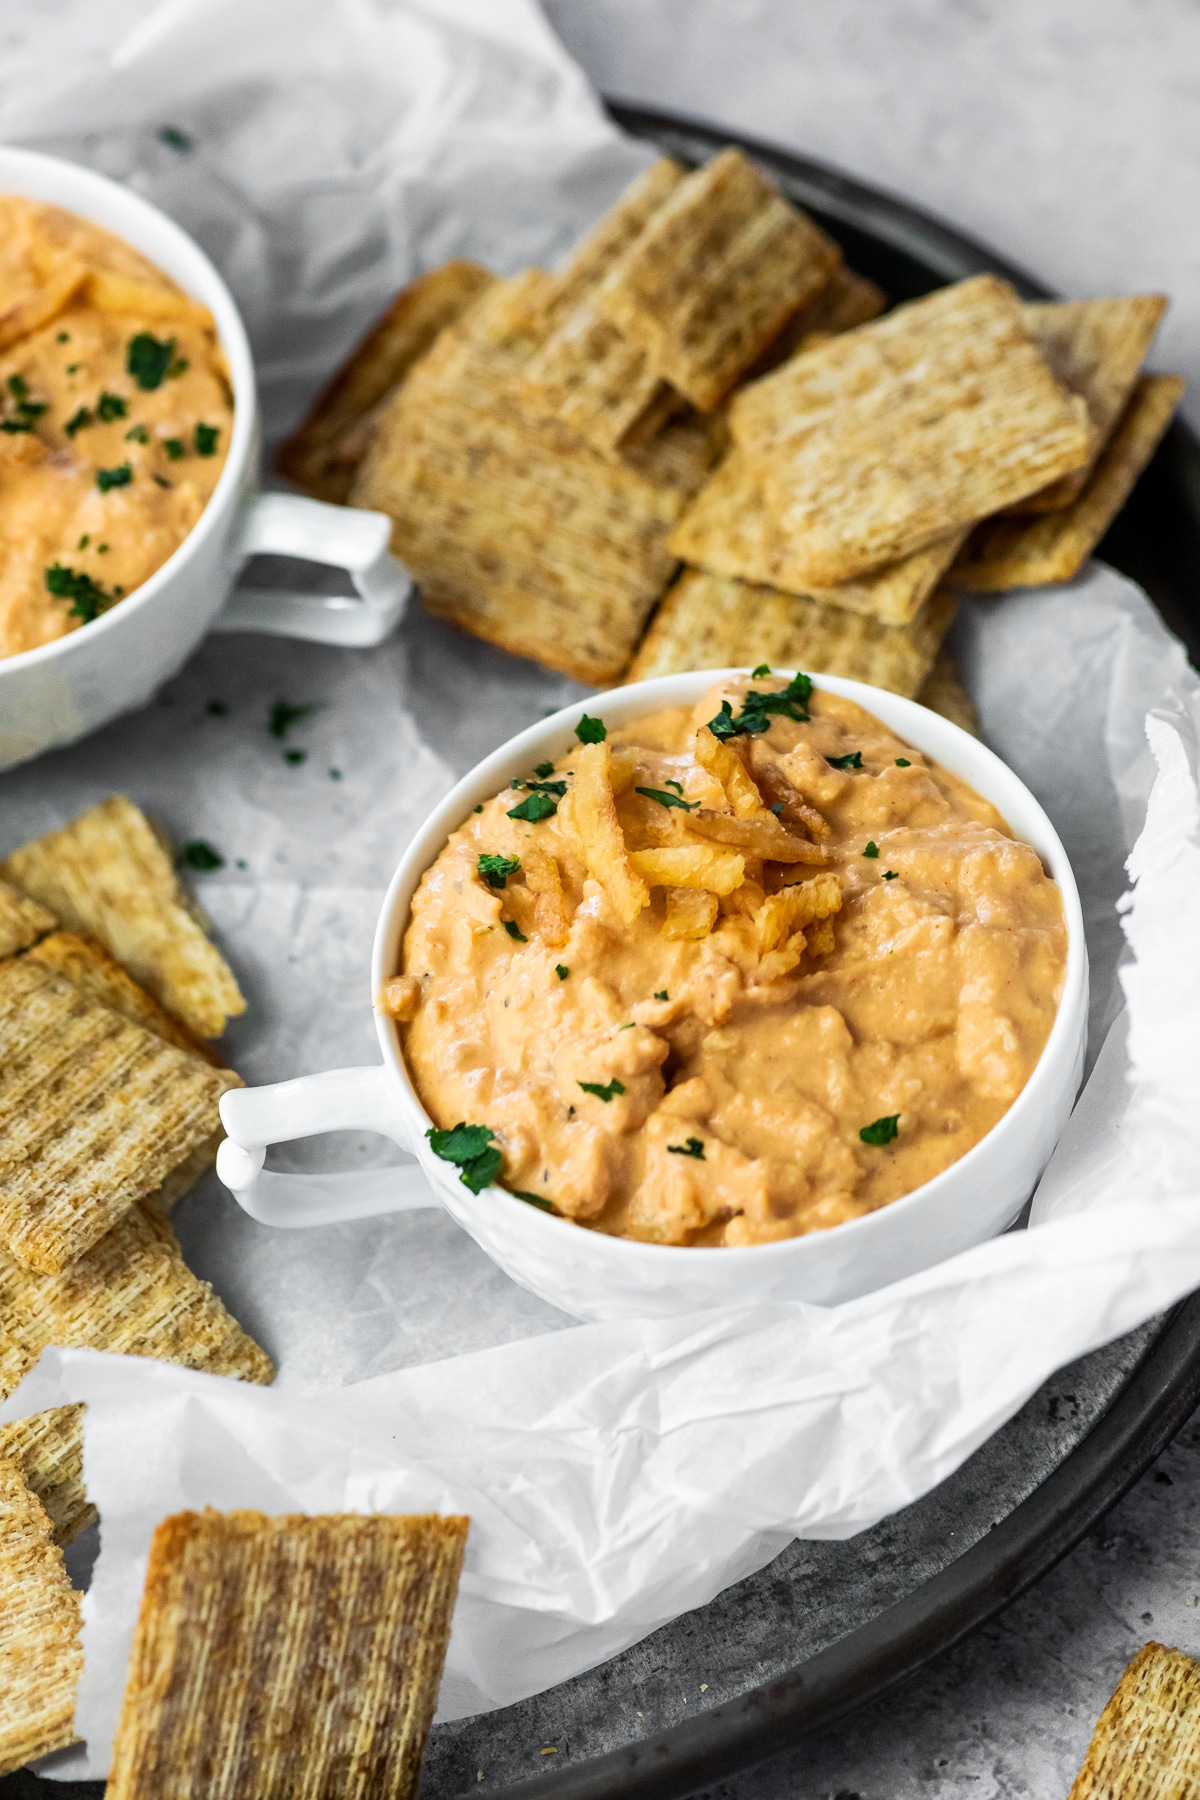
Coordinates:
<point>61,690</point>
<point>598,1277</point>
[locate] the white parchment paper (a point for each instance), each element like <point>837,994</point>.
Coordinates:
<point>622,1473</point>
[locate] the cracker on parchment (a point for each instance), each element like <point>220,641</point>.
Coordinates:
<point>107,874</point>
<point>47,1449</point>
<point>323,454</point>
<point>1011,552</point>
<point>1146,1745</point>
<point>95,1112</point>
<point>608,240</point>
<point>87,965</point>
<point>730,528</point>
<point>849,299</point>
<point>1096,348</point>
<point>715,275</point>
<point>40,1655</point>
<point>516,530</point>
<point>716,622</point>
<point>134,1294</point>
<point>287,1655</point>
<point>22,920</point>
<point>944,691</point>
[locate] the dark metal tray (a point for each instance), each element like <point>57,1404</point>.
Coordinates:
<point>827,1626</point>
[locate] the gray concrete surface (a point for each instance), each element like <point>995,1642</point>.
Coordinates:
<point>1064,132</point>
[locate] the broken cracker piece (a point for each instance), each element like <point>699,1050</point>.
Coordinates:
<point>1009,552</point>
<point>87,965</point>
<point>47,1449</point>
<point>595,381</point>
<point>132,1293</point>
<point>253,1635</point>
<point>715,275</point>
<point>40,1655</point>
<point>593,814</point>
<point>22,921</point>
<point>95,1112</point>
<point>714,622</point>
<point>1146,1745</point>
<point>943,691</point>
<point>323,454</point>
<point>107,874</point>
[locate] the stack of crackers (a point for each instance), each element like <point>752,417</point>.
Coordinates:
<point>706,383</point>
<point>110,992</point>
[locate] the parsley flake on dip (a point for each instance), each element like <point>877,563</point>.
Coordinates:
<point>746,970</point>
<point>115,419</point>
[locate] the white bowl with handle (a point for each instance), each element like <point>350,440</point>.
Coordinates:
<point>597,1277</point>
<point>61,690</point>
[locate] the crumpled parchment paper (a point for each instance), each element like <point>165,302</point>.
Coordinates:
<point>626,1472</point>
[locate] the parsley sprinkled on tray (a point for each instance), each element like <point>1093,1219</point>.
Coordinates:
<point>495,870</point>
<point>872,849</point>
<point>149,360</point>
<point>668,799</point>
<point>591,731</point>
<point>606,1094</point>
<point>204,437</point>
<point>471,1149</point>
<point>87,597</point>
<point>174,139</point>
<point>693,1147</point>
<point>537,806</point>
<point>851,760</point>
<point>284,715</point>
<point>514,931</point>
<point>881,1131</point>
<point>295,757</point>
<point>199,854</point>
<point>119,477</point>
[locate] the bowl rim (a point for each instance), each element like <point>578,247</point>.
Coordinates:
<point>949,742</point>
<point>100,200</point>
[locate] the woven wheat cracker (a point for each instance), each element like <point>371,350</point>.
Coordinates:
<point>40,1655</point>
<point>87,965</point>
<point>47,1450</point>
<point>1146,1745</point>
<point>22,921</point>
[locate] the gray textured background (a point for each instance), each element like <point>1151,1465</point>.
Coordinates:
<point>1067,134</point>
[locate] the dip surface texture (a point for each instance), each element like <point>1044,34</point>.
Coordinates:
<point>790,998</point>
<point>115,418</point>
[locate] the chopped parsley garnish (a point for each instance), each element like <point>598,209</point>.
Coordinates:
<point>295,757</point>
<point>762,669</point>
<point>73,368</point>
<point>542,787</point>
<point>478,808</point>
<point>591,731</point>
<point>84,541</point>
<point>175,448</point>
<point>110,407</point>
<point>544,769</point>
<point>137,434</point>
<point>174,139</point>
<point>891,874</point>
<point>78,420</point>
<point>606,1094</point>
<point>677,785</point>
<point>335,774</point>
<point>283,716</point>
<point>851,760</point>
<point>790,702</point>
<point>537,806</point>
<point>162,481</point>
<point>514,931</point>
<point>204,437</point>
<point>101,549</point>
<point>562,971</point>
<point>532,1199</point>
<point>693,1147</point>
<point>902,762</point>
<point>872,849</point>
<point>668,799</point>
<point>495,870</point>
<point>149,360</point>
<point>119,477</point>
<point>882,1131</point>
<point>64,337</point>
<point>14,425</point>
<point>199,854</point>
<point>17,387</point>
<point>471,1149</point>
<point>87,597</point>
<point>662,994</point>
<point>27,410</point>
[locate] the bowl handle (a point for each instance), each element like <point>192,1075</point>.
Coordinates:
<point>338,1100</point>
<point>347,537</point>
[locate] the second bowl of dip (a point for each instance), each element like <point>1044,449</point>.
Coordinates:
<point>590,1273</point>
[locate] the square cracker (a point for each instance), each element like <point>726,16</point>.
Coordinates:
<point>95,1112</point>
<point>41,1659</point>
<point>516,531</point>
<point>108,874</point>
<point>1146,1745</point>
<point>323,453</point>
<point>595,381</point>
<point>1009,552</point>
<point>730,529</point>
<point>714,277</point>
<point>22,921</point>
<point>715,622</point>
<point>848,300</point>
<point>608,240</point>
<point>1096,348</point>
<point>47,1449</point>
<point>287,1655</point>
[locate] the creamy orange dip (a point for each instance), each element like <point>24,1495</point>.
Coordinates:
<point>718,1023</point>
<point>115,417</point>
